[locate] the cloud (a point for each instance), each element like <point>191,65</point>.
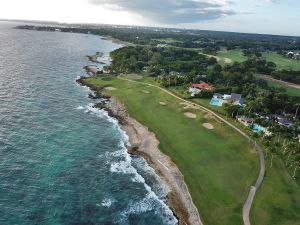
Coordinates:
<point>271,1</point>
<point>171,11</point>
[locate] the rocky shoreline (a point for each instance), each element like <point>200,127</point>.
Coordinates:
<point>145,144</point>
<point>95,58</point>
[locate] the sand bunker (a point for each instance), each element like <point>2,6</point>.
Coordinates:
<point>208,126</point>
<point>110,88</point>
<point>146,92</point>
<point>190,115</point>
<point>163,103</point>
<point>227,60</point>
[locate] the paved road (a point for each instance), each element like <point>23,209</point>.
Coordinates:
<point>253,189</point>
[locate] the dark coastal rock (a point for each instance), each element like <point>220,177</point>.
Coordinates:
<point>94,58</point>
<point>114,108</point>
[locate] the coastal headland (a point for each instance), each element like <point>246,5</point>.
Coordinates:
<point>218,190</point>
<point>145,144</point>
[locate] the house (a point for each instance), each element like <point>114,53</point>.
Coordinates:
<point>237,99</point>
<point>161,45</point>
<point>177,74</point>
<point>290,54</point>
<point>219,99</point>
<point>284,122</point>
<point>293,55</point>
<point>197,88</point>
<point>226,97</point>
<point>218,96</point>
<point>245,121</point>
<point>203,86</point>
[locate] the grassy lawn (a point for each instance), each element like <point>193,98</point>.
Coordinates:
<point>282,62</point>
<point>233,55</point>
<point>218,165</point>
<point>278,200</point>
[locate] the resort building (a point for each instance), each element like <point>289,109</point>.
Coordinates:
<point>161,46</point>
<point>219,99</point>
<point>284,122</point>
<point>197,88</point>
<point>245,121</point>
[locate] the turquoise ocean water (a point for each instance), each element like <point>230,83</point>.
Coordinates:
<point>61,161</point>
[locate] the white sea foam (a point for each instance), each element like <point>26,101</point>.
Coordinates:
<point>106,202</point>
<point>80,107</point>
<point>124,166</point>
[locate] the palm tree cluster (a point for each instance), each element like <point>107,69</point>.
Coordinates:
<point>289,149</point>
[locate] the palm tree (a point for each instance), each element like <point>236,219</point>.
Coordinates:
<point>296,164</point>
<point>273,151</point>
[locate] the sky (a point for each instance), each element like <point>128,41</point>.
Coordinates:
<point>251,16</point>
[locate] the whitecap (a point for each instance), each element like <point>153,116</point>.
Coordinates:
<point>80,107</point>
<point>106,202</point>
<point>124,166</point>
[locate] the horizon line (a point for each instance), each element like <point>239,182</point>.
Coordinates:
<point>144,26</point>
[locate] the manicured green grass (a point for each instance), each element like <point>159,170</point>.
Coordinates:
<point>278,200</point>
<point>282,62</point>
<point>233,55</point>
<point>218,165</point>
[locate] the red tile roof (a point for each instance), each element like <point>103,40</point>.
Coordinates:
<point>203,85</point>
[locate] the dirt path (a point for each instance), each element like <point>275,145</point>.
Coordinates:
<point>248,203</point>
<point>292,85</point>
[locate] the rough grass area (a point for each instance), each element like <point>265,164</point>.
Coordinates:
<point>289,90</point>
<point>218,165</point>
<point>282,62</point>
<point>278,200</point>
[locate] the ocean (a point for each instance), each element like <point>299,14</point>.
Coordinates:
<point>61,160</point>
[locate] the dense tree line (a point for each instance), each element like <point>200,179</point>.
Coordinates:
<point>287,75</point>
<point>184,38</point>
<point>159,61</point>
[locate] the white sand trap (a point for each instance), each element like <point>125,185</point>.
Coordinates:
<point>146,92</point>
<point>110,88</point>
<point>190,115</point>
<point>163,103</point>
<point>227,60</point>
<point>208,126</point>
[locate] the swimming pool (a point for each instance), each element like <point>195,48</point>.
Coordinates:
<point>216,102</point>
<point>258,128</point>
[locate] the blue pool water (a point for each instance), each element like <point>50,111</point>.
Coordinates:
<point>216,102</point>
<point>258,128</point>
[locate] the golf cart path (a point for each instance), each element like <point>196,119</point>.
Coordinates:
<point>253,189</point>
